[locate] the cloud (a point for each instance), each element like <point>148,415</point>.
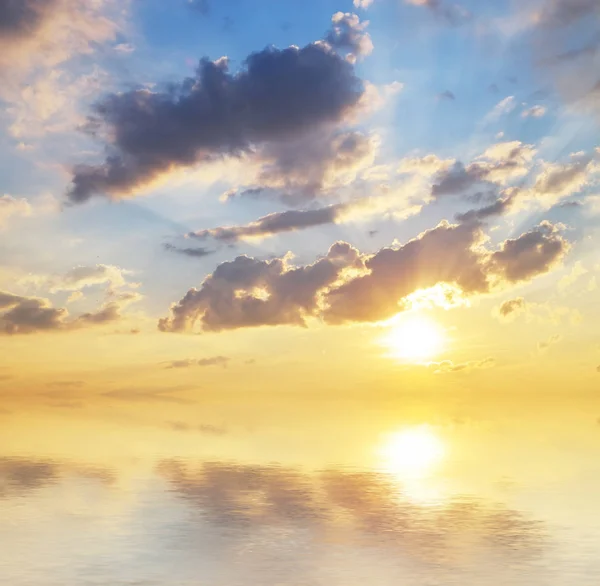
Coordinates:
<point>498,208</point>
<point>348,33</point>
<point>509,309</point>
<point>534,112</point>
<point>557,181</point>
<point>452,14</point>
<point>311,165</point>
<point>449,367</point>
<point>11,207</point>
<point>427,165</point>
<point>346,286</point>
<point>498,165</point>
<point>66,384</point>
<point>566,45</point>
<point>503,107</point>
<point>447,95</point>
<point>198,252</point>
<point>546,344</point>
<point>28,315</point>
<point>277,95</point>
<point>205,428</point>
<point>87,276</point>
<point>531,254</point>
<point>161,395</point>
<point>364,4</point>
<point>213,361</point>
<point>248,292</point>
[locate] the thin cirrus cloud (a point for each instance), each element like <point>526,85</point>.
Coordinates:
<point>347,286</point>
<point>278,94</point>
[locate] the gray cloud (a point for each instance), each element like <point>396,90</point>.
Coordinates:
<point>498,208</point>
<point>200,6</point>
<point>508,309</point>
<point>248,292</point>
<point>22,18</point>
<point>551,341</point>
<point>275,223</point>
<point>304,167</point>
<point>212,361</point>
<point>278,94</point>
<point>562,13</point>
<point>28,315</point>
<point>498,165</point>
<point>198,252</point>
<point>532,253</point>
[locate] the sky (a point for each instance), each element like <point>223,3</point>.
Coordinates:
<point>299,293</point>
<point>372,195</point>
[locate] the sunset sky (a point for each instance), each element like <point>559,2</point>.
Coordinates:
<point>300,293</point>
<point>387,193</point>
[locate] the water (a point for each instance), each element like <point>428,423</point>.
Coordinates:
<point>395,491</point>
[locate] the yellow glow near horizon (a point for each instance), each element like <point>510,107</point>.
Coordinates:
<point>414,339</point>
<point>412,453</point>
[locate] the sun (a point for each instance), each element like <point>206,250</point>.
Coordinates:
<point>414,339</point>
<point>412,453</point>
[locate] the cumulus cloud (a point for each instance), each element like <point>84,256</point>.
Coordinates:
<point>349,34</point>
<point>212,361</point>
<point>364,4</point>
<point>248,292</point>
<point>11,207</point>
<point>532,253</point>
<point>277,95</point>
<point>346,286</point>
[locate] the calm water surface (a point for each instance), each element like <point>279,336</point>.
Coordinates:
<point>487,498</point>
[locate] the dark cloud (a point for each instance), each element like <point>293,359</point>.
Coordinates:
<point>508,308</point>
<point>22,18</point>
<point>531,254</point>
<point>277,94</point>
<point>213,361</point>
<point>348,34</point>
<point>275,223</point>
<point>198,252</point>
<point>248,292</point>
<point>28,315</point>
<point>498,208</point>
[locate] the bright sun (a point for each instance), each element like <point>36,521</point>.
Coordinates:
<point>415,338</point>
<point>412,453</point>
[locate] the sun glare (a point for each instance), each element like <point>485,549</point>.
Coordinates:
<point>412,453</point>
<point>414,339</point>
